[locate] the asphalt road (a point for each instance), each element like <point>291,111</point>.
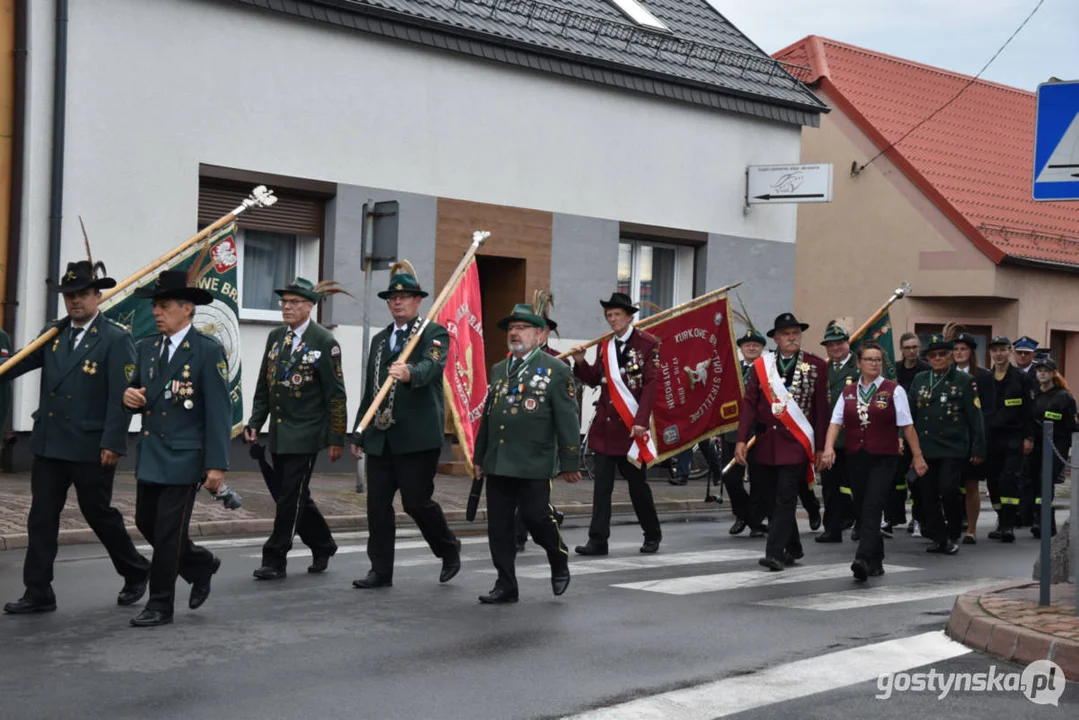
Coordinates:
<point>700,617</point>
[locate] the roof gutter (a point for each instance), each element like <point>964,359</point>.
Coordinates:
<point>1040,264</point>
<point>18,168</point>
<point>56,178</point>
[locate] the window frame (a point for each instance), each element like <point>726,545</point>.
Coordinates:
<point>684,256</point>
<point>305,261</point>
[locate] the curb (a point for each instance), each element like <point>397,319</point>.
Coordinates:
<point>971,625</point>
<point>350,523</point>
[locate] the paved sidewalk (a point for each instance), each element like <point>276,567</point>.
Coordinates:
<point>1007,621</point>
<point>336,497</point>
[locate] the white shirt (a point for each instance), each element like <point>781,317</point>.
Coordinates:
<point>966,369</point>
<point>81,330</point>
<point>625,338</point>
<point>297,334</point>
<point>899,402</point>
<point>175,339</point>
<point>844,360</point>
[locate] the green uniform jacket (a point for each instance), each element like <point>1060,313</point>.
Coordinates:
<point>80,408</point>
<point>530,424</point>
<point>947,415</point>
<point>838,380</point>
<point>188,432</point>
<point>419,412</point>
<point>303,392</point>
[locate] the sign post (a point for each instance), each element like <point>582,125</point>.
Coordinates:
<point>1056,142</point>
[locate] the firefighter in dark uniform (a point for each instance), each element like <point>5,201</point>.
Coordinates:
<point>404,440</point>
<point>611,437</point>
<point>1006,432</point>
<point>837,485</point>
<point>301,367</point>
<point>910,347</point>
<point>948,418</point>
<point>963,354</point>
<point>1024,351</point>
<point>530,429</point>
<point>180,386</point>
<point>1052,401</point>
<point>80,432</point>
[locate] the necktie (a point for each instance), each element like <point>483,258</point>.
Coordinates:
<point>74,336</point>
<point>398,338</point>
<point>619,346</point>
<point>515,364</point>
<point>163,358</point>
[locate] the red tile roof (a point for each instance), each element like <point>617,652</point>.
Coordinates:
<point>974,159</point>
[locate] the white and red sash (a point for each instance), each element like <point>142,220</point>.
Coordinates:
<point>784,407</point>
<point>643,449</point>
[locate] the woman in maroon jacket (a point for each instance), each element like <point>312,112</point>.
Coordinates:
<point>873,412</point>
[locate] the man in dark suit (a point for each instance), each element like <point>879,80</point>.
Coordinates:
<point>180,386</point>
<point>301,367</point>
<point>530,428</point>
<point>789,410</point>
<point>840,500</point>
<point>404,441</point>
<point>80,432</point>
<point>612,437</point>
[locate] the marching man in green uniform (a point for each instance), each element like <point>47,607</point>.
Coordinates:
<point>836,483</point>
<point>80,432</point>
<point>951,432</point>
<point>404,441</point>
<point>301,370</point>
<point>530,422</point>
<point>180,386</point>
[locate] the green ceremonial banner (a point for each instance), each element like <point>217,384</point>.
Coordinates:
<point>881,332</point>
<point>219,319</point>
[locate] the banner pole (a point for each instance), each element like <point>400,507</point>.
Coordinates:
<point>900,292</point>
<point>259,197</point>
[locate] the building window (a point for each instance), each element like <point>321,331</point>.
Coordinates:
<point>655,276</point>
<point>639,14</point>
<point>270,260</point>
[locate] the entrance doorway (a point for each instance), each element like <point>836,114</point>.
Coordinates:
<point>502,285</point>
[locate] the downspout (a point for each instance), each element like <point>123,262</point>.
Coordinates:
<point>59,105</point>
<point>18,169</point>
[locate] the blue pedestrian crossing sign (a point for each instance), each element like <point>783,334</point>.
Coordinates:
<point>1056,142</point>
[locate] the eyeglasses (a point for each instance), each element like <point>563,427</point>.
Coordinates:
<point>873,360</point>
<point>292,303</point>
<point>519,327</point>
<point>937,354</point>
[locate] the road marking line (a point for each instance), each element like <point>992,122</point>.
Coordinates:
<point>752,578</point>
<point>643,562</point>
<point>883,595</point>
<point>785,682</point>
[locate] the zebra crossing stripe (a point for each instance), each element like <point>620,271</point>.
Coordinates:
<point>880,595</point>
<point>642,562</point>
<point>696,584</point>
<point>783,683</point>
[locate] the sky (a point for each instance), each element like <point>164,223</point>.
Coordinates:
<point>957,35</point>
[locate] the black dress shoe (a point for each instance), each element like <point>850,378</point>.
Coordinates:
<point>1007,535</point>
<point>860,570</point>
<point>319,563</point>
<point>26,606</point>
<point>678,480</point>
<point>373,580</point>
<point>876,571</point>
<point>759,531</point>
<point>773,564</point>
<point>201,591</point>
<point>848,523</point>
<point>790,560</point>
<point>451,565</point>
<point>131,592</point>
<point>855,535</point>
<point>560,581</point>
<point>998,534</point>
<point>738,527</point>
<point>828,537</point>
<point>650,546</point>
<point>591,548</point>
<point>814,519</point>
<point>269,573</point>
<point>151,618</point>
<point>498,596</point>
<point>945,548</point>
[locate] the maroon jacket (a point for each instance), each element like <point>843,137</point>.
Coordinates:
<point>775,443</point>
<point>640,357</point>
<point>881,435</point>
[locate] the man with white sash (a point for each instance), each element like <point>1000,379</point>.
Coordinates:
<point>620,436</point>
<point>786,406</point>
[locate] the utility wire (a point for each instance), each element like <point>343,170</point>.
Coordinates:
<point>856,170</point>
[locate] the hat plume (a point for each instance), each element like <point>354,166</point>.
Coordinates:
<point>330,287</point>
<point>199,267</point>
<point>403,266</point>
<point>952,329</point>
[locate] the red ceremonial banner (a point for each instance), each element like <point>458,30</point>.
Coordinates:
<point>699,385</point>
<point>465,380</point>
